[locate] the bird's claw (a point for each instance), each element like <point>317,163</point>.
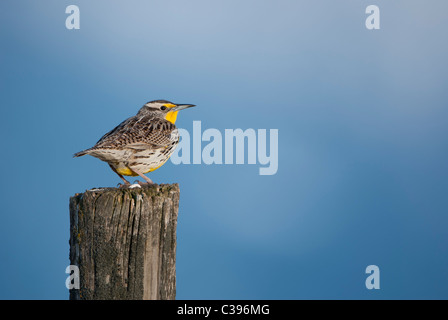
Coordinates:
<point>121,186</point>
<point>144,183</point>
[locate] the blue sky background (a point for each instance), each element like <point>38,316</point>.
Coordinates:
<point>363,140</point>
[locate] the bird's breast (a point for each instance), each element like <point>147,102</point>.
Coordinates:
<point>146,160</point>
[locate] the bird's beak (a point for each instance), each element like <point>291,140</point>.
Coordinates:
<point>179,107</point>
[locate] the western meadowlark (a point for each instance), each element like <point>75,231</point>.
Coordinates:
<point>142,143</point>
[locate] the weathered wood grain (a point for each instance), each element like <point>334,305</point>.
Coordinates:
<point>124,242</point>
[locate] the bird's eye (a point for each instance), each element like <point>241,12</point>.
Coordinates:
<point>162,108</point>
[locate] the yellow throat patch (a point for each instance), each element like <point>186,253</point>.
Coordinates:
<point>171,116</point>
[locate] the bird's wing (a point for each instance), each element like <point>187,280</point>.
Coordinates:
<point>109,136</point>
<point>138,132</point>
<point>105,140</point>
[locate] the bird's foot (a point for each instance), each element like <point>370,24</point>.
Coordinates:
<point>144,183</point>
<point>122,186</point>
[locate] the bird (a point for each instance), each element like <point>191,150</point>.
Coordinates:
<point>141,143</point>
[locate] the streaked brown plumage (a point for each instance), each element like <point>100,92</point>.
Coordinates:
<point>141,143</point>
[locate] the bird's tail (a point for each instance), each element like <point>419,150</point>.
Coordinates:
<point>81,153</point>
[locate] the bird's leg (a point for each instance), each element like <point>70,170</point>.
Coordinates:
<point>148,181</point>
<point>126,182</point>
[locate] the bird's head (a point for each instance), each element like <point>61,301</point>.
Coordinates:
<point>164,109</point>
